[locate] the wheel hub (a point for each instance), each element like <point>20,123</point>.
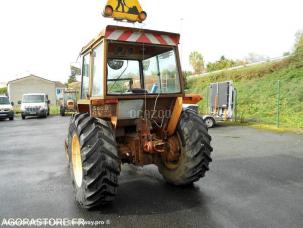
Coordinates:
<point>172,153</point>
<point>209,122</point>
<point>76,161</point>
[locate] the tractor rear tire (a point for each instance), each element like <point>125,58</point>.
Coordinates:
<point>94,161</point>
<point>195,151</point>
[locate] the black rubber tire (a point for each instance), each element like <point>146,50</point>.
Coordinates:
<point>209,122</point>
<point>23,117</point>
<point>195,151</point>
<point>62,111</point>
<point>11,118</point>
<point>100,161</point>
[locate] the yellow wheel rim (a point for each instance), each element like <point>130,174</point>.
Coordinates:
<point>76,161</point>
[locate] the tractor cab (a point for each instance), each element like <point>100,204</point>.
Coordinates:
<point>128,72</point>
<point>133,61</point>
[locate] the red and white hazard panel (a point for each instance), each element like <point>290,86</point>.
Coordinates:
<point>149,37</point>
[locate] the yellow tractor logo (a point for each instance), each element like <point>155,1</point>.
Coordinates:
<point>129,10</point>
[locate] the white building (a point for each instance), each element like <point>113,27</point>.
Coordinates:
<point>34,84</point>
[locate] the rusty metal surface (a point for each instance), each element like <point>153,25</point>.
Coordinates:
<point>174,150</point>
<point>144,147</point>
<point>103,111</point>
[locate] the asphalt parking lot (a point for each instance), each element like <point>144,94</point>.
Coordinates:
<point>256,180</point>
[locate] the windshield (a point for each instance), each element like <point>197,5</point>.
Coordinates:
<point>123,75</point>
<point>4,101</point>
<point>161,74</point>
<point>70,96</point>
<point>157,73</point>
<point>33,99</point>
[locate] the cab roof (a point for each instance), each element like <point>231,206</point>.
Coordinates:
<point>134,35</point>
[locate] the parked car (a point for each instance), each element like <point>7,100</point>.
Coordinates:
<point>34,104</point>
<point>6,108</point>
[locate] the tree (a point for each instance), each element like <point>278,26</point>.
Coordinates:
<point>197,62</point>
<point>298,47</point>
<point>3,90</point>
<point>71,79</point>
<point>185,77</point>
<point>224,63</point>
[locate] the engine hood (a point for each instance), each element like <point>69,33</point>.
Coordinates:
<point>32,105</point>
<point>8,106</point>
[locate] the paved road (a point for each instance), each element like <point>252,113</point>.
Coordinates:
<point>256,180</point>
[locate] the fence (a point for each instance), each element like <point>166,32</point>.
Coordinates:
<point>266,101</point>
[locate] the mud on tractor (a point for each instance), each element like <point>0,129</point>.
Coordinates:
<point>131,111</point>
<point>69,102</point>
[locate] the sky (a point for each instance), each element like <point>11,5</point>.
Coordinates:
<point>43,37</point>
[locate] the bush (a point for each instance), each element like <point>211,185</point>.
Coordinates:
<point>3,90</point>
<point>54,110</point>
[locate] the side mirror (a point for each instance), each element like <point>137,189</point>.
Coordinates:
<point>75,69</point>
<point>19,102</point>
<point>115,64</point>
<point>48,102</point>
<point>12,103</point>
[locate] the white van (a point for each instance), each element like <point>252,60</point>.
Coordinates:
<point>6,108</point>
<point>34,104</point>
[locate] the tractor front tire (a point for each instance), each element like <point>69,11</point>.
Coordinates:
<point>94,161</point>
<point>195,153</point>
<point>62,111</point>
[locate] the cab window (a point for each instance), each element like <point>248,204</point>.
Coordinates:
<point>123,76</point>
<point>97,89</point>
<point>161,73</point>
<point>85,76</point>
<point>142,69</point>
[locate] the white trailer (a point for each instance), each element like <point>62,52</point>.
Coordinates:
<point>221,103</point>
